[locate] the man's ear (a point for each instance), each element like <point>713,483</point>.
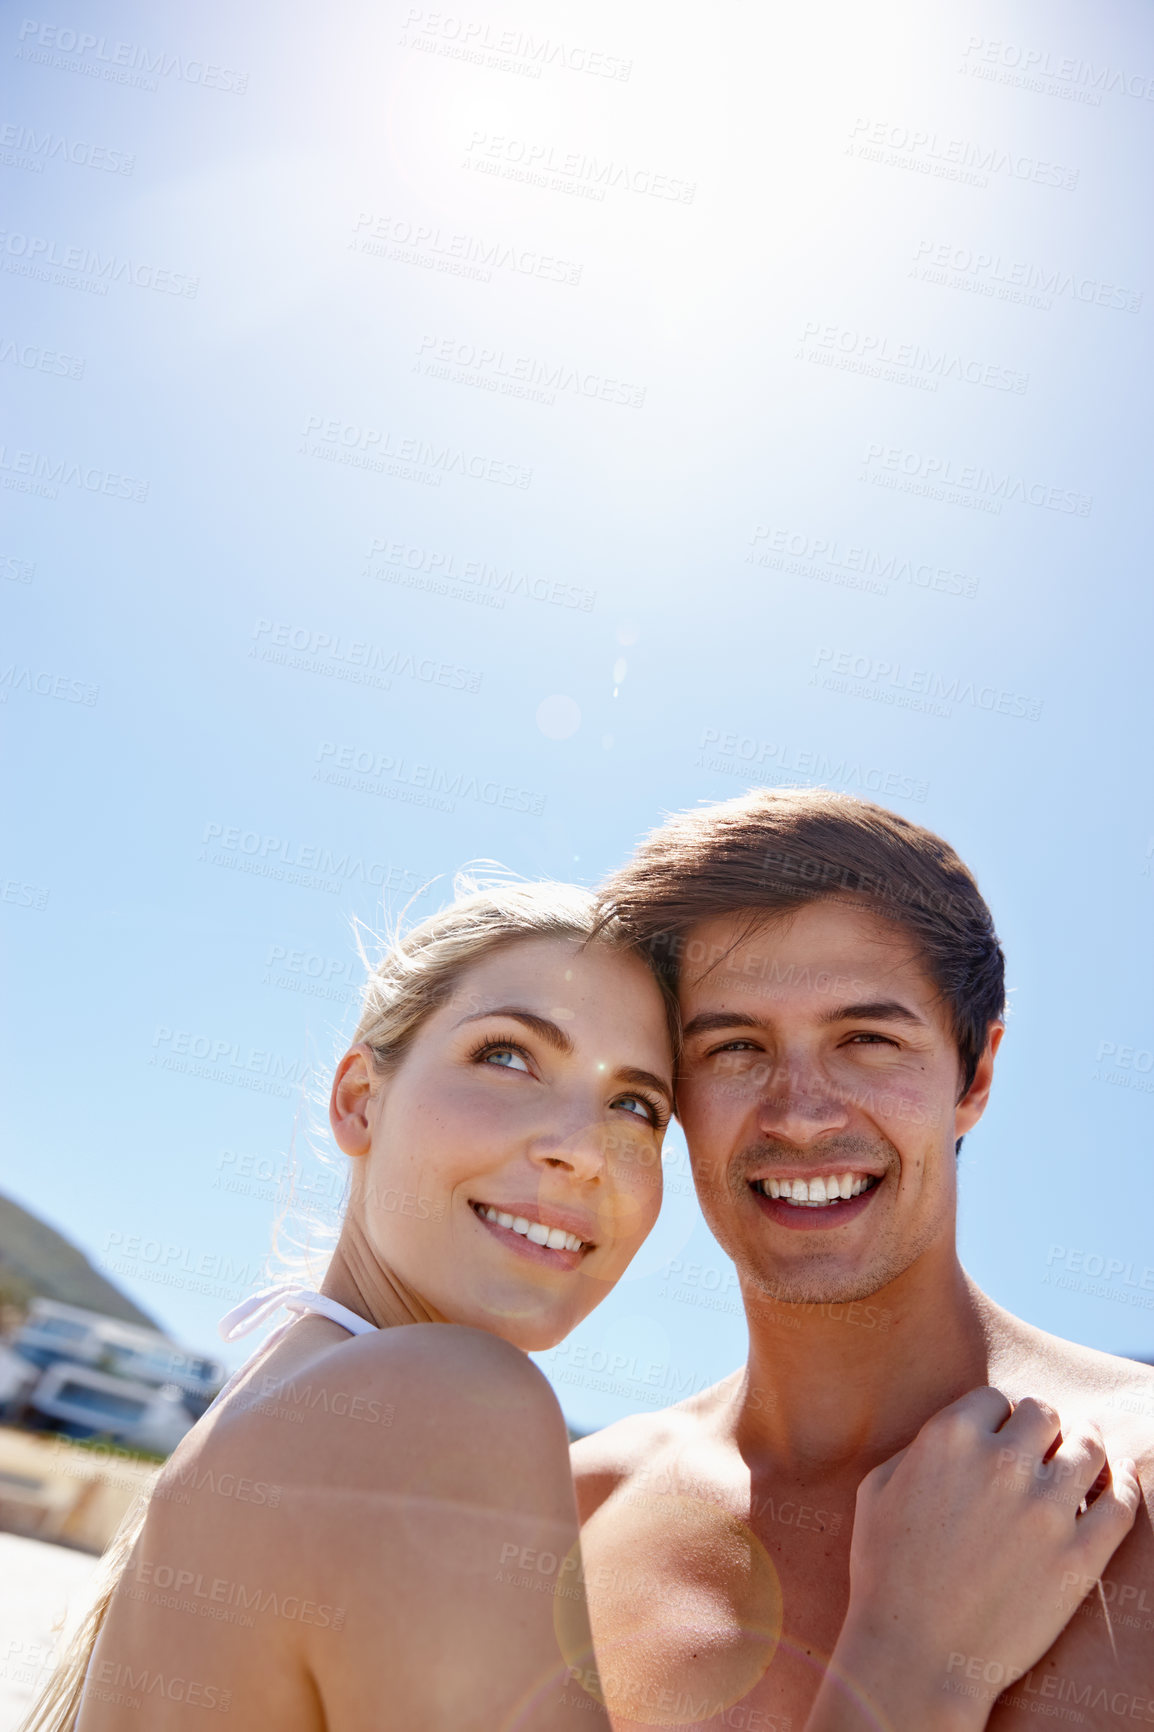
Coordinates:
<point>351,1100</point>
<point>973,1103</point>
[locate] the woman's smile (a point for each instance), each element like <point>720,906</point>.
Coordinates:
<point>532,1232</point>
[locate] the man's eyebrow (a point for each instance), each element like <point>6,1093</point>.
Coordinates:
<point>709,1020</point>
<point>550,1032</point>
<point>873,1010</point>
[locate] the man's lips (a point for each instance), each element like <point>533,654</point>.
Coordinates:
<point>815,1211</point>
<point>558,1238</point>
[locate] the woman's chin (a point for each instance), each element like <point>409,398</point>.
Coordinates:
<point>540,1338</point>
<point>533,1327</point>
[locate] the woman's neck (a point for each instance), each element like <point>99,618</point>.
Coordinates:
<point>357,1278</point>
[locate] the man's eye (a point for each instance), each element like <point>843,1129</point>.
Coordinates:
<point>735,1046</point>
<point>871,1040</point>
<point>508,1057</point>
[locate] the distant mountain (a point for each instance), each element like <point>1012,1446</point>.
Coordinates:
<point>37,1262</point>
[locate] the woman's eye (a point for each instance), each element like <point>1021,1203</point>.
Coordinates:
<point>506,1056</point>
<point>638,1105</point>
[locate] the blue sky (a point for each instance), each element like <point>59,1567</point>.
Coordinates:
<point>543,430</point>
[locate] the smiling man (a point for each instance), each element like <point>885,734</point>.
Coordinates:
<point>842,994</point>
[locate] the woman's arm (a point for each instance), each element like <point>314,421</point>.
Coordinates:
<point>453,1536</point>
<point>955,1562</point>
<point>377,1537</point>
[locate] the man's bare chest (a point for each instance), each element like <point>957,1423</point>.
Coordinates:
<point>719,1600</point>
<point>713,1597</point>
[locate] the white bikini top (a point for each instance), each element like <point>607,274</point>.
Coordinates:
<point>259,1307</point>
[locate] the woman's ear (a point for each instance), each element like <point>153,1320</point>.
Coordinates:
<point>351,1099</point>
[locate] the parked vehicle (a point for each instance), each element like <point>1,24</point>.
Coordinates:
<point>101,1378</point>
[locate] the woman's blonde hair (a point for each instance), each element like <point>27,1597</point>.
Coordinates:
<point>420,971</point>
<point>417,973</point>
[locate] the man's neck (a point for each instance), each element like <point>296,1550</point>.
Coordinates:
<point>840,1386</point>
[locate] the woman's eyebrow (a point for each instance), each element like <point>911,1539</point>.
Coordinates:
<point>550,1032</point>
<point>645,1079</point>
<point>557,1038</point>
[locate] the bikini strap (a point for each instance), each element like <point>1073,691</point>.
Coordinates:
<point>258,1308</point>
<point>305,1300</point>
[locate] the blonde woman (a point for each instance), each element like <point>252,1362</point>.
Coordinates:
<point>340,1542</point>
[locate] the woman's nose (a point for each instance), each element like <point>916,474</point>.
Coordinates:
<point>583,1150</point>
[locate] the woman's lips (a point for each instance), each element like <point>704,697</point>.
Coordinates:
<point>808,1218</point>
<point>513,1228</point>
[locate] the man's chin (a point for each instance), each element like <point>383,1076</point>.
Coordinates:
<point>814,1286</point>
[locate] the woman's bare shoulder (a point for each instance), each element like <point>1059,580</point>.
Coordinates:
<point>371,1409</point>
<point>419,1352</point>
<point>441,1381</point>
<point>314,1444</point>
<point>426,1459</point>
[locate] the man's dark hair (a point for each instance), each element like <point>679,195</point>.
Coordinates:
<point>775,850</point>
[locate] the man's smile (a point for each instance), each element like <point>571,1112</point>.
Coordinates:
<point>816,1200</point>
<point>815,1192</point>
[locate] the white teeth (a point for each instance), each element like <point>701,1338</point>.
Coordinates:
<point>816,1193</point>
<point>555,1238</point>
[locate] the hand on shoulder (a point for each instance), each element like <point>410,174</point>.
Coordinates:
<point>971,1547</point>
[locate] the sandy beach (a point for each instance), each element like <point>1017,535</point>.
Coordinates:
<point>41,1586</point>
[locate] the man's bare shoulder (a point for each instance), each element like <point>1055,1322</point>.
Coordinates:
<point>1117,1394</point>
<point>633,1449</point>
<point>606,1460</point>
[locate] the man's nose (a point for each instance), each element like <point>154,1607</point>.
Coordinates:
<point>800,1104</point>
